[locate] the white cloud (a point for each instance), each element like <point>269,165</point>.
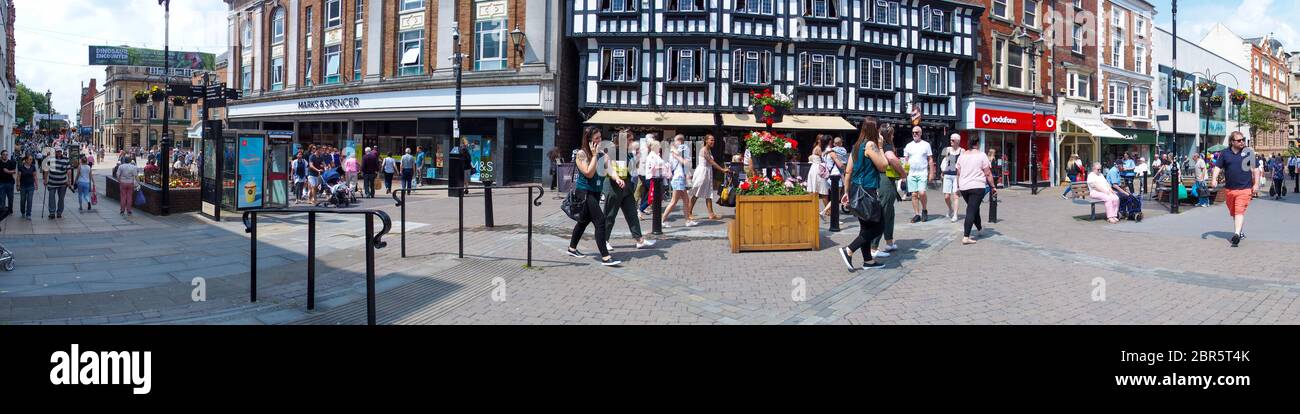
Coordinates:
<point>52,39</point>
<point>1249,18</point>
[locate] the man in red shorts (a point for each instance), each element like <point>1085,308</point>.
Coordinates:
<point>1237,162</point>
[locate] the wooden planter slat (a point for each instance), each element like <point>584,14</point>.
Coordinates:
<point>775,223</point>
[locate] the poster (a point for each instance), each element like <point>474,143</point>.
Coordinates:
<point>252,149</point>
<point>134,56</point>
<point>480,157</point>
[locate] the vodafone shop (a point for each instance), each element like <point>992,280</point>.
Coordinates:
<point>1007,127</point>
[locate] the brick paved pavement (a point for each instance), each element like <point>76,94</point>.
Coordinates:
<point>1037,265</point>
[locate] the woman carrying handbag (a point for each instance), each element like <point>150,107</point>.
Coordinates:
<point>593,167</point>
<point>864,167</point>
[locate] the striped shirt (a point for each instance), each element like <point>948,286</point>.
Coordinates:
<point>58,174</point>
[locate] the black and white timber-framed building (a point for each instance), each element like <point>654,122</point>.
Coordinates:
<point>694,62</point>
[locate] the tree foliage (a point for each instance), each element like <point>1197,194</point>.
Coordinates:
<point>1262,118</point>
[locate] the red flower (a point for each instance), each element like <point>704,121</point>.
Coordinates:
<point>769,121</point>
<point>776,178</point>
<point>744,186</point>
<point>768,109</point>
<point>767,92</point>
<point>793,143</point>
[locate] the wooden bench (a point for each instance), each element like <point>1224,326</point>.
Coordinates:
<point>1080,192</point>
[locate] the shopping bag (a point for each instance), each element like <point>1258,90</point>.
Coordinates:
<point>139,197</point>
<point>1182,191</point>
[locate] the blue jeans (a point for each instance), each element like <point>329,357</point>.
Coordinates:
<point>407,174</point>
<point>1202,196</point>
<point>7,196</point>
<point>56,195</point>
<point>1067,188</point>
<point>26,194</point>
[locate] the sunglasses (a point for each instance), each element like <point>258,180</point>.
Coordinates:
<point>1238,140</point>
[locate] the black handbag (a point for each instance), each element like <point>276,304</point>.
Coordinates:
<point>573,204</point>
<point>865,205</point>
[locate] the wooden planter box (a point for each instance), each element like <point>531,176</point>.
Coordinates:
<point>183,200</point>
<point>775,223</point>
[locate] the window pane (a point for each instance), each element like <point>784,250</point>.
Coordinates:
<point>1015,60</point>
<point>751,68</point>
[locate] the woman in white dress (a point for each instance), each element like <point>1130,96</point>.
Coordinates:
<point>816,183</point>
<point>702,186</point>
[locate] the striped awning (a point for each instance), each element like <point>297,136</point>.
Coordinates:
<point>647,118</point>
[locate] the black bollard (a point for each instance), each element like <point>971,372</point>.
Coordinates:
<point>1297,184</point>
<point>656,208</point>
<point>487,203</point>
<point>993,207</point>
<point>835,202</point>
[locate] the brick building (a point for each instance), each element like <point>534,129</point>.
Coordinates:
<point>127,123</point>
<point>377,73</point>
<point>1126,78</point>
<point>86,114</point>
<point>1010,102</point>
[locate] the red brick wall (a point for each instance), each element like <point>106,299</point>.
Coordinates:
<point>515,16</point>
<point>987,27</point>
<point>1086,62</point>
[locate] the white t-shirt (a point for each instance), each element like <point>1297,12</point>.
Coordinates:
<point>918,156</point>
<point>126,173</point>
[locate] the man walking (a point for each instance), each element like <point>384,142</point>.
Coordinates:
<point>369,170</point>
<point>951,196</point>
<point>408,169</point>
<point>1279,179</point>
<point>1237,162</point>
<point>56,183</point>
<point>920,160</point>
<point>8,167</point>
<point>1129,170</point>
<point>419,165</point>
<point>1294,165</point>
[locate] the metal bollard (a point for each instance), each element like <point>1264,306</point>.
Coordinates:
<point>403,223</point>
<point>252,267</point>
<point>311,261</point>
<point>460,224</point>
<point>487,203</point>
<point>370,269</point>
<point>834,196</point>
<point>993,207</point>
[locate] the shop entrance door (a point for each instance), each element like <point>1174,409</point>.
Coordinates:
<point>525,163</point>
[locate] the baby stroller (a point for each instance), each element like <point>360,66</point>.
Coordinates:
<point>6,256</point>
<point>337,193</point>
<point>1130,207</point>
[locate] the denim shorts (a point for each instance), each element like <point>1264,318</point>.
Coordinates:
<point>678,183</point>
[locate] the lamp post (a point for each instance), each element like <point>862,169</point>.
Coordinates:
<point>164,207</point>
<point>1173,140</point>
<point>49,112</point>
<point>1211,101</point>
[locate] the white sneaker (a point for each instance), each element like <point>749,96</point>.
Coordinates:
<point>879,253</point>
<point>890,248</point>
<point>692,223</point>
<point>644,243</point>
<point>609,247</point>
<point>954,218</point>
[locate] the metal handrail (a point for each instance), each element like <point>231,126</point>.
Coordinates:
<point>399,196</point>
<point>373,241</point>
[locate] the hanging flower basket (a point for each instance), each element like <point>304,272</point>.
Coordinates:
<point>1206,87</point>
<point>1216,100</point>
<point>178,101</point>
<point>769,149</point>
<point>157,93</point>
<point>1184,94</point>
<point>1239,97</point>
<point>769,107</point>
<point>141,96</point>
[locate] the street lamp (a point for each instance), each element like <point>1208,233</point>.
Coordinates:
<point>165,167</point>
<point>517,36</point>
<point>1033,49</point>
<point>1173,139</point>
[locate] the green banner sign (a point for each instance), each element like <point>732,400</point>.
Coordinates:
<point>131,56</point>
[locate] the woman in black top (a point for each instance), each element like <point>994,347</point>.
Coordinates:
<point>27,186</point>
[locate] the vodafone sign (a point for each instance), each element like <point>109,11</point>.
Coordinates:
<point>1012,121</point>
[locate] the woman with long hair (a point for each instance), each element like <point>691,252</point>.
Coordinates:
<point>888,194</point>
<point>593,165</point>
<point>702,185</point>
<point>679,164</point>
<point>1074,169</point>
<point>816,184</point>
<point>864,167</point>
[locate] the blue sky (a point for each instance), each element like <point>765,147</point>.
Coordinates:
<point>52,38</point>
<point>1247,18</point>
